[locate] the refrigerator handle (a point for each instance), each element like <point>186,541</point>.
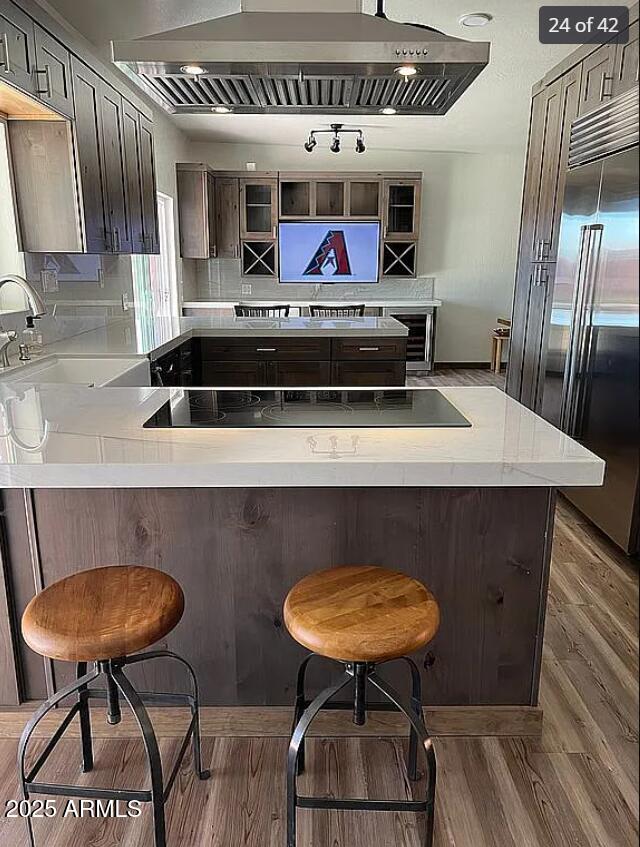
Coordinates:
<point>573,399</point>
<point>569,376</point>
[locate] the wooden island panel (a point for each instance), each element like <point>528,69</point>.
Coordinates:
<point>483,552</point>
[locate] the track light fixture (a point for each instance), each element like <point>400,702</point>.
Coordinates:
<point>336,130</point>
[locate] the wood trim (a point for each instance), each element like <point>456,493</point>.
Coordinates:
<point>10,684</point>
<point>38,578</point>
<point>544,591</point>
<point>275,722</point>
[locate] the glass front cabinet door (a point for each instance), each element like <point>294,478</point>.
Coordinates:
<point>402,209</point>
<point>259,209</point>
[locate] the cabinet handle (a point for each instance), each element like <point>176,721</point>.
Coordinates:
<point>606,78</point>
<point>116,240</point>
<point>266,349</point>
<point>47,79</point>
<point>369,349</point>
<point>6,60</point>
<point>545,249</point>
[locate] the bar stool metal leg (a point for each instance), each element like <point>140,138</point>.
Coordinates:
<point>194,703</point>
<point>151,746</point>
<point>85,721</point>
<point>45,708</point>
<point>425,744</point>
<point>416,705</point>
<point>363,673</point>
<point>294,747</point>
<point>300,706</point>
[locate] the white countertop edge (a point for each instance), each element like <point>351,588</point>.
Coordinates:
<point>337,474</point>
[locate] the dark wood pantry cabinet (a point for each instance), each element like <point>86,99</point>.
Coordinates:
<point>591,76</point>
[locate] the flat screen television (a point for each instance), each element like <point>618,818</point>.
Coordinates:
<point>329,252</point>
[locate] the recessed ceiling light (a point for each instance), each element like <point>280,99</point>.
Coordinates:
<point>407,70</point>
<point>222,110</point>
<point>193,70</point>
<point>475,19</point>
<point>388,110</point>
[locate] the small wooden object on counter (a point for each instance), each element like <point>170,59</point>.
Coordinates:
<point>361,616</point>
<point>99,618</point>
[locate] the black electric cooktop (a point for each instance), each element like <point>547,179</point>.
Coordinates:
<point>219,408</point>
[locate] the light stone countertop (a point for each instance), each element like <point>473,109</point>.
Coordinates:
<point>126,338</point>
<point>73,437</point>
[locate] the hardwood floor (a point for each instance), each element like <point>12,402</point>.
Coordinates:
<point>576,785</point>
<point>458,376</point>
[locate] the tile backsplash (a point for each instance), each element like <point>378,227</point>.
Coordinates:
<point>220,279</point>
<point>81,293</point>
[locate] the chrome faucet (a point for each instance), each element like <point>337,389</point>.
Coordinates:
<point>36,304</point>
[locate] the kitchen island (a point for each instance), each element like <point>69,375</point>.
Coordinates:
<point>238,515</point>
<point>228,351</point>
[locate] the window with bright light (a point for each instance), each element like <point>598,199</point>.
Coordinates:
<point>155,285</point>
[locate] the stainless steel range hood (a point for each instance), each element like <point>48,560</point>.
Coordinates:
<point>288,62</point>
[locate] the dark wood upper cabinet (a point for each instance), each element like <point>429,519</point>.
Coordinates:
<point>150,231</point>
<point>597,78</point>
<point>196,211</point>
<point>133,175</point>
<point>17,48</point>
<point>87,87</point>
<point>625,74</point>
<point>53,72</point>
<point>228,217</point>
<point>115,170</point>
<point>142,206</point>
<point>99,174</point>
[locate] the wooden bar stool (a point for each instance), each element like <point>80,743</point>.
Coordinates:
<point>101,617</point>
<point>361,617</point>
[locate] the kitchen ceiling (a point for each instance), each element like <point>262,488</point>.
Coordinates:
<point>492,115</point>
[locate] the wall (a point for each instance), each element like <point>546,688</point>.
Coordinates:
<point>471,217</point>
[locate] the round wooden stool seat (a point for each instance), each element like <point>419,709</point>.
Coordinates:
<point>103,613</point>
<point>361,614</point>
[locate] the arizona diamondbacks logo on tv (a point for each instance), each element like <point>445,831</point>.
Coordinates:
<point>331,257</point>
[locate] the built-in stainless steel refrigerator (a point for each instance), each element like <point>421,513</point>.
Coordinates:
<point>592,348</point>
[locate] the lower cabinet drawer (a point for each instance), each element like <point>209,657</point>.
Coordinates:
<point>265,349</point>
<point>369,373</point>
<point>383,349</point>
<point>232,374</point>
<point>300,374</point>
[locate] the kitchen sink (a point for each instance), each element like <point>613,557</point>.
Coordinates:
<point>99,373</point>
